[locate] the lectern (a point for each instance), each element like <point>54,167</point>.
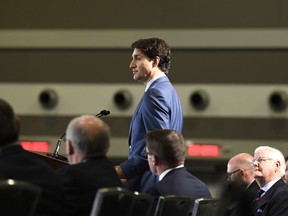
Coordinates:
<point>50,160</point>
<point>56,160</point>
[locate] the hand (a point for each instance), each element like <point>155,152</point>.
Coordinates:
<point>123,181</point>
<point>120,172</point>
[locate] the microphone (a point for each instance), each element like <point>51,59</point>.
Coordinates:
<point>103,113</point>
<point>56,155</point>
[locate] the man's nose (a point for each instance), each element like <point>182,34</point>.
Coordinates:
<point>132,64</point>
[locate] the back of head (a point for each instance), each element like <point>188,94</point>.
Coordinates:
<point>153,47</point>
<point>89,135</point>
<point>167,145</point>
<point>8,124</point>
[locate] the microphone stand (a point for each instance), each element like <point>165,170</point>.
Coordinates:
<point>56,155</point>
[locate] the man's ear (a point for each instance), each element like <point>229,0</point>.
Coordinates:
<point>69,148</point>
<point>155,160</point>
<point>156,61</point>
<point>278,165</point>
<point>242,172</point>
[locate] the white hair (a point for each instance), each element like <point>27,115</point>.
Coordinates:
<point>276,155</point>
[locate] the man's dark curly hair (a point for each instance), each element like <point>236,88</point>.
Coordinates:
<point>153,47</point>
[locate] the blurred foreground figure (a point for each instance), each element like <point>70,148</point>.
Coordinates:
<point>241,187</point>
<point>18,164</point>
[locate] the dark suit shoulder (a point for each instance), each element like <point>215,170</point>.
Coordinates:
<point>272,203</point>
<point>181,172</point>
<point>181,182</point>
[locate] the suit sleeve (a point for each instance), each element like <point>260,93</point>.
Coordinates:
<point>156,112</point>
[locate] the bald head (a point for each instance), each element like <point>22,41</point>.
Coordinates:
<point>243,163</point>
<point>242,160</point>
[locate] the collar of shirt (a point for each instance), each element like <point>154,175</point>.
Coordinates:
<point>268,186</point>
<point>151,81</point>
<point>163,174</point>
<point>250,184</point>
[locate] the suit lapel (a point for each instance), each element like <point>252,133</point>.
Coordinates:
<point>161,79</point>
<point>261,203</point>
<point>253,188</point>
<point>133,118</point>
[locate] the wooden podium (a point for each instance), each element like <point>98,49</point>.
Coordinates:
<point>54,162</point>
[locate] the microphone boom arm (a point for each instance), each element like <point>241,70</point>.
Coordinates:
<point>55,154</point>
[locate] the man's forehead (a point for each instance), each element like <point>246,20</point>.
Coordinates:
<point>262,153</point>
<point>137,52</point>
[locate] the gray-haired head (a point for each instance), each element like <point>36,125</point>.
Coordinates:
<point>89,135</point>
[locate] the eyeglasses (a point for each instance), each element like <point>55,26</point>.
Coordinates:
<point>231,173</point>
<point>146,152</point>
<point>261,159</point>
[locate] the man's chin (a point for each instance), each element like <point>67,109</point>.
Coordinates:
<point>258,176</point>
<point>138,80</point>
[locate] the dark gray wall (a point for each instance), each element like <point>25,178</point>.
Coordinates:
<point>146,14</point>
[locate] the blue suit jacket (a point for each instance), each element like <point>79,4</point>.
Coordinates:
<point>159,108</point>
<point>180,182</point>
<point>274,202</point>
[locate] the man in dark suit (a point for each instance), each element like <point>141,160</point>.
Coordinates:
<point>269,168</point>
<point>242,187</point>
<point>166,155</point>
<point>18,164</point>
<point>285,178</point>
<point>159,108</point>
<point>87,143</point>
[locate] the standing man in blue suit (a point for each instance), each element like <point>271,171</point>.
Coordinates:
<point>159,108</point>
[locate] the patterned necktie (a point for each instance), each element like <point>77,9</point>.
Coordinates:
<point>260,192</point>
